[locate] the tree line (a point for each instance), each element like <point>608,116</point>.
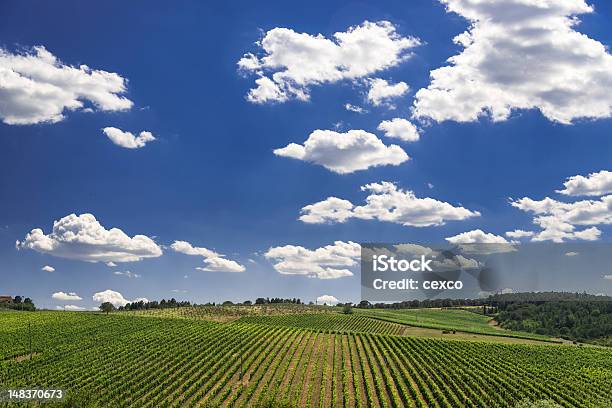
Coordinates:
<point>579,320</point>
<point>421,304</point>
<point>543,297</point>
<point>173,303</point>
<point>265,301</point>
<point>17,303</point>
<point>154,304</point>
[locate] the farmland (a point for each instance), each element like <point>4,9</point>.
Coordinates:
<point>122,359</point>
<point>231,312</point>
<point>328,322</point>
<point>446,319</point>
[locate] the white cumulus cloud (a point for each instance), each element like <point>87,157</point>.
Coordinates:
<point>558,220</point>
<point>66,296</point>
<point>477,236</point>
<point>344,153</point>
<point>595,184</point>
<point>110,296</point>
<point>186,248</point>
<point>400,129</point>
<point>126,139</point>
<point>517,234</point>
<point>219,264</point>
<point>83,238</point>
<point>332,209</point>
<point>327,300</point>
<point>520,54</point>
<point>479,242</point>
<point>213,261</point>
<point>47,268</point>
<point>291,62</point>
<point>389,203</point>
<point>36,87</point>
<point>328,262</point>
<point>382,92</point>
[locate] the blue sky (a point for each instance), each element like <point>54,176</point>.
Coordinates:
<point>211,178</point>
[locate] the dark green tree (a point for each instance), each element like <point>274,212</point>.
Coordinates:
<point>347,309</point>
<point>107,307</point>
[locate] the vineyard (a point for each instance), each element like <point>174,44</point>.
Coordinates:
<point>329,322</point>
<point>229,313</point>
<point>125,360</point>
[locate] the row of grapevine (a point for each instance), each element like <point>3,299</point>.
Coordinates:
<point>328,322</point>
<point>227,313</point>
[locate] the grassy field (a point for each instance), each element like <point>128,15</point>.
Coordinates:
<point>122,359</point>
<point>446,319</point>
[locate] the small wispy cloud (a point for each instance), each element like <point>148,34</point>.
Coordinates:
<point>127,274</point>
<point>355,108</point>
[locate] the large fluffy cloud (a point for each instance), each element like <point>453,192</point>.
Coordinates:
<point>328,262</point>
<point>83,238</point>
<point>47,268</point>
<point>400,128</point>
<point>584,212</point>
<point>127,139</point>
<point>213,261</point>
<point>387,202</point>
<point>595,184</point>
<point>520,54</point>
<point>63,296</point>
<point>558,220</point>
<point>344,152</point>
<point>113,297</point>
<point>382,92</point>
<point>36,87</point>
<point>292,62</point>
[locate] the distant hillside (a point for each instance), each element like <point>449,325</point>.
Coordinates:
<point>574,316</point>
<point>535,297</point>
